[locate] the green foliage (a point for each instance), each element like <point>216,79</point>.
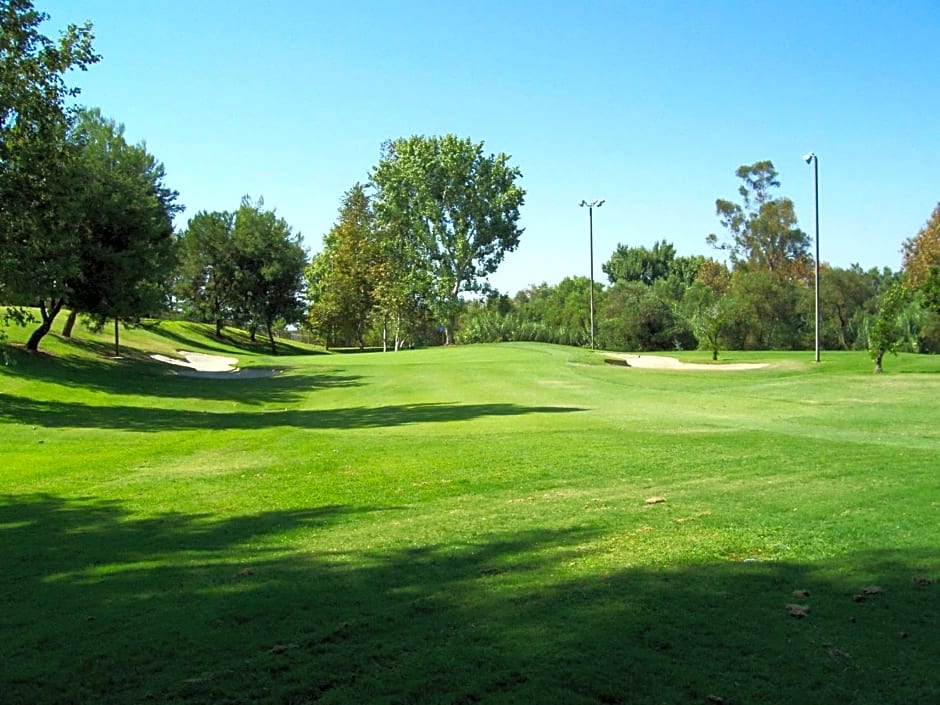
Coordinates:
<point>126,213</point>
<point>887,329</point>
<point>245,267</point>
<point>762,230</point>
<point>847,298</point>
<point>452,211</point>
<point>636,317</point>
<point>342,280</point>
<point>563,308</point>
<point>268,262</point>
<point>479,325</point>
<point>709,314</point>
<point>765,313</point>
<point>922,258</point>
<point>106,246</point>
<point>37,182</point>
<point>648,265</point>
<point>204,282</point>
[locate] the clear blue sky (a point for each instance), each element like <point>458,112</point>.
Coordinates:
<point>649,105</point>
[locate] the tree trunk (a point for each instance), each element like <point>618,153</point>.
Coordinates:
<point>117,340</point>
<point>714,354</point>
<point>878,358</point>
<point>271,338</point>
<point>48,316</point>
<point>218,327</point>
<point>69,324</point>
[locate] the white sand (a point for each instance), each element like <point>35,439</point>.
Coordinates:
<point>200,362</point>
<point>211,366</point>
<point>661,362</point>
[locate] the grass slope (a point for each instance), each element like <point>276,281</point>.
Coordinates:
<point>465,525</point>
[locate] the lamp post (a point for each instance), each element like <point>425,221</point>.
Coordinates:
<point>811,157</point>
<point>591,206</point>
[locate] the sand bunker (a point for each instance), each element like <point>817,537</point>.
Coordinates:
<point>211,366</point>
<point>661,362</point>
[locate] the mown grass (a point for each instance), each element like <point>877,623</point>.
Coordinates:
<point>465,525</point>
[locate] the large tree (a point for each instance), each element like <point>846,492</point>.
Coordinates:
<point>762,232</point>
<point>204,282</point>
<point>112,254</point>
<point>456,208</point>
<point>37,178</point>
<point>268,265</point>
<point>126,213</point>
<point>342,279</point>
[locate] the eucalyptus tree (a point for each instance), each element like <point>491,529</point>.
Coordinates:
<point>451,210</point>
<point>762,232</point>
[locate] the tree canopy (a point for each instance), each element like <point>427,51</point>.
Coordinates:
<point>37,175</point>
<point>922,261</point>
<point>126,210</point>
<point>762,230</point>
<point>454,209</point>
<point>343,278</point>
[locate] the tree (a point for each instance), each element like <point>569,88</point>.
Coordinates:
<point>764,313</point>
<point>37,186</point>
<point>268,266</point>
<point>127,251</point>
<point>762,230</point>
<point>886,332</point>
<point>636,317</point>
<point>922,260</point>
<point>342,279</point>
<point>708,316</point>
<point>640,264</point>
<point>207,269</point>
<point>119,232</point>
<point>649,265</point>
<point>455,209</point>
<point>847,297</point>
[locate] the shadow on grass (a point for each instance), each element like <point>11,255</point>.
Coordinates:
<point>99,605</point>
<point>60,414</point>
<point>202,336</point>
<point>130,375</point>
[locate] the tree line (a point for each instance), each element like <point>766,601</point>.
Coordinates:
<point>86,225</point>
<point>761,296</point>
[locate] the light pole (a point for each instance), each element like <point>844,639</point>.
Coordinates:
<point>591,206</point>
<point>811,157</point>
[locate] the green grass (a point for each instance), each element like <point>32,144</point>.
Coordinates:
<point>465,525</point>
